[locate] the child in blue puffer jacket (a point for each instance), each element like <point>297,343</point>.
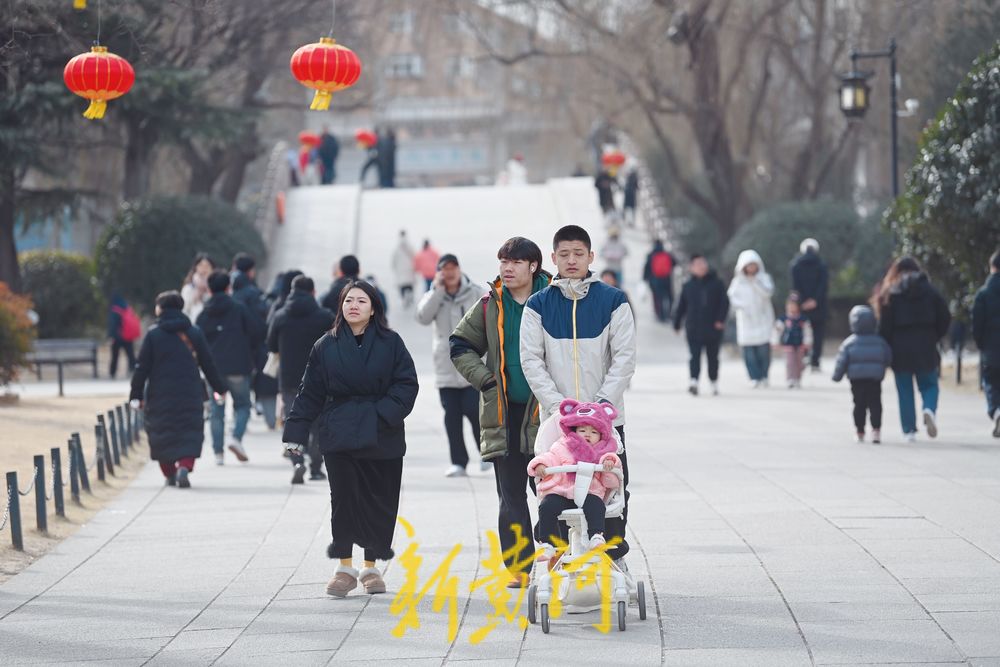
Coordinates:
<point>863,357</point>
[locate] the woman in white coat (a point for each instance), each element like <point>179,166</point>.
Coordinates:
<point>750,297</point>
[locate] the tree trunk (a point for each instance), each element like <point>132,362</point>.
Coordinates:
<point>141,140</point>
<point>10,270</point>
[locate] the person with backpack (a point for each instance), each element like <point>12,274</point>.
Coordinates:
<point>658,273</point>
<point>986,332</point>
<point>485,348</point>
<point>124,328</point>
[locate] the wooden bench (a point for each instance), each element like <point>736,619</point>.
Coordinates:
<point>61,351</point>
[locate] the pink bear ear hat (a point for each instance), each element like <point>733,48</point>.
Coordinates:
<point>599,415</point>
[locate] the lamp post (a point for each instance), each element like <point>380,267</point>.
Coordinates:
<point>854,97</point>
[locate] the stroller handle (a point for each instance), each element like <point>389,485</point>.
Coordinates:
<point>587,469</point>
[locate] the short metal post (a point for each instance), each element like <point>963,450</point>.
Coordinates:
<point>15,511</point>
<point>100,452</point>
<point>60,367</point>
<point>81,463</point>
<point>104,445</point>
<point>128,427</point>
<point>112,427</point>
<point>41,520</point>
<point>74,472</point>
<point>57,482</point>
<point>119,412</point>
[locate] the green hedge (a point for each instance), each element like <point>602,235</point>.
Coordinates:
<point>64,290</point>
<point>149,247</point>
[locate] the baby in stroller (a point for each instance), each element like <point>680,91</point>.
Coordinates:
<point>588,438</point>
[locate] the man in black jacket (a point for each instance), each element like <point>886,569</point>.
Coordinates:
<point>986,332</point>
<point>348,270</point>
<point>246,292</point>
<point>294,330</point>
<point>702,309</point>
<point>232,337</point>
<point>811,280</point>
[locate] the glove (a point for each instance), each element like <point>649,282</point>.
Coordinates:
<point>294,448</point>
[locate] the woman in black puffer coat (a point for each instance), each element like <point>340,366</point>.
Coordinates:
<point>167,383</point>
<point>913,317</point>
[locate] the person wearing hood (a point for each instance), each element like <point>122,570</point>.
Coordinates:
<point>913,317</point>
<point>293,331</point>
<point>658,273</point>
<point>587,437</point>
<point>167,385</point>
<point>485,349</point>
<point>750,295</point>
<point>702,309</point>
<point>986,333</point>
<point>450,297</point>
<point>810,280</point>
<point>232,336</point>
<point>578,341</point>
<point>863,358</point>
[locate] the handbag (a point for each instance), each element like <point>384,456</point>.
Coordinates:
<point>194,355</point>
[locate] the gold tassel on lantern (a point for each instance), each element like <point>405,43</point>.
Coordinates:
<point>79,4</point>
<point>321,101</point>
<point>96,109</point>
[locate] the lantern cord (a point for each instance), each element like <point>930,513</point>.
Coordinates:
<point>333,15</point>
<point>98,21</point>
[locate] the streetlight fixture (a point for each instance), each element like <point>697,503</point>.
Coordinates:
<point>854,97</point>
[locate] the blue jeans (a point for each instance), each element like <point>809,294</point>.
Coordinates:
<point>758,360</point>
<point>991,387</point>
<point>239,390</point>
<point>927,384</point>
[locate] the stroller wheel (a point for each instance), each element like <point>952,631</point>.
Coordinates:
<point>641,595</point>
<point>532,603</point>
<point>621,615</point>
<point>545,618</point>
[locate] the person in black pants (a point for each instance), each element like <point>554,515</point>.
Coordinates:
<point>702,309</point>
<point>863,358</point>
<point>986,332</point>
<point>810,278</point>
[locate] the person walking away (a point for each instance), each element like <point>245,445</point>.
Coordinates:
<point>280,291</point>
<point>195,290</point>
<point>605,183</point>
<point>702,309</point>
<point>124,328</point>
<point>246,292</point>
<point>425,263</point>
<point>348,270</point>
<point>614,253</point>
<point>292,333</point>
<point>658,273</point>
<point>485,348</point>
<point>587,437</point>
<point>402,268</point>
<point>986,333</point>
<point>913,317</point>
<point>451,296</point>
<point>359,385</point>
<point>329,149</point>
<point>167,385</point>
<point>810,280</point>
<point>750,295</point>
<point>232,336</point>
<point>863,358</point>
<point>578,341</point>
<point>794,335</point>
<point>386,147</point>
<point>631,196</point>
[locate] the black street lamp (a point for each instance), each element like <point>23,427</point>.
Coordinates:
<point>854,97</point>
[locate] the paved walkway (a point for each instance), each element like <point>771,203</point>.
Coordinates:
<point>768,537</point>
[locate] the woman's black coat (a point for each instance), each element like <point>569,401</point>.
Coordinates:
<point>166,378</point>
<point>360,395</point>
<point>913,322</point>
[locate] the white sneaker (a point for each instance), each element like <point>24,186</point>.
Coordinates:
<point>455,471</point>
<point>911,437</point>
<point>755,384</point>
<point>220,459</point>
<point>237,448</point>
<point>693,387</point>
<point>596,542</point>
<point>930,423</point>
<point>860,437</point>
<point>715,389</point>
<point>765,383</point>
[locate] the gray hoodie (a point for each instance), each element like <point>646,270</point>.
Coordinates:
<point>445,311</point>
<point>864,355</point>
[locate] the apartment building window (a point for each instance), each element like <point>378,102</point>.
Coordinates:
<point>463,67</point>
<point>404,66</point>
<point>402,22</point>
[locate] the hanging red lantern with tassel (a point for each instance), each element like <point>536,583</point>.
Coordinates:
<point>613,159</point>
<point>326,67</point>
<point>98,76</point>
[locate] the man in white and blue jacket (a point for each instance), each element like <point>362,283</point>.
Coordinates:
<point>578,341</point>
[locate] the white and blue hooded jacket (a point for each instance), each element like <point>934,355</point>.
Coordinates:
<point>578,341</point>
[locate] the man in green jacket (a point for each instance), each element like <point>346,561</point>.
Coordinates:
<point>508,412</point>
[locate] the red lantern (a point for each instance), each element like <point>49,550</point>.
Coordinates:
<point>325,66</point>
<point>98,76</point>
<point>613,159</point>
<point>307,138</point>
<point>365,138</point>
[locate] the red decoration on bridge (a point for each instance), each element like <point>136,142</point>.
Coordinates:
<point>365,138</point>
<point>326,67</point>
<point>98,76</point>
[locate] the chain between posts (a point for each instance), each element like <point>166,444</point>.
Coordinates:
<point>30,486</point>
<point>6,512</point>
